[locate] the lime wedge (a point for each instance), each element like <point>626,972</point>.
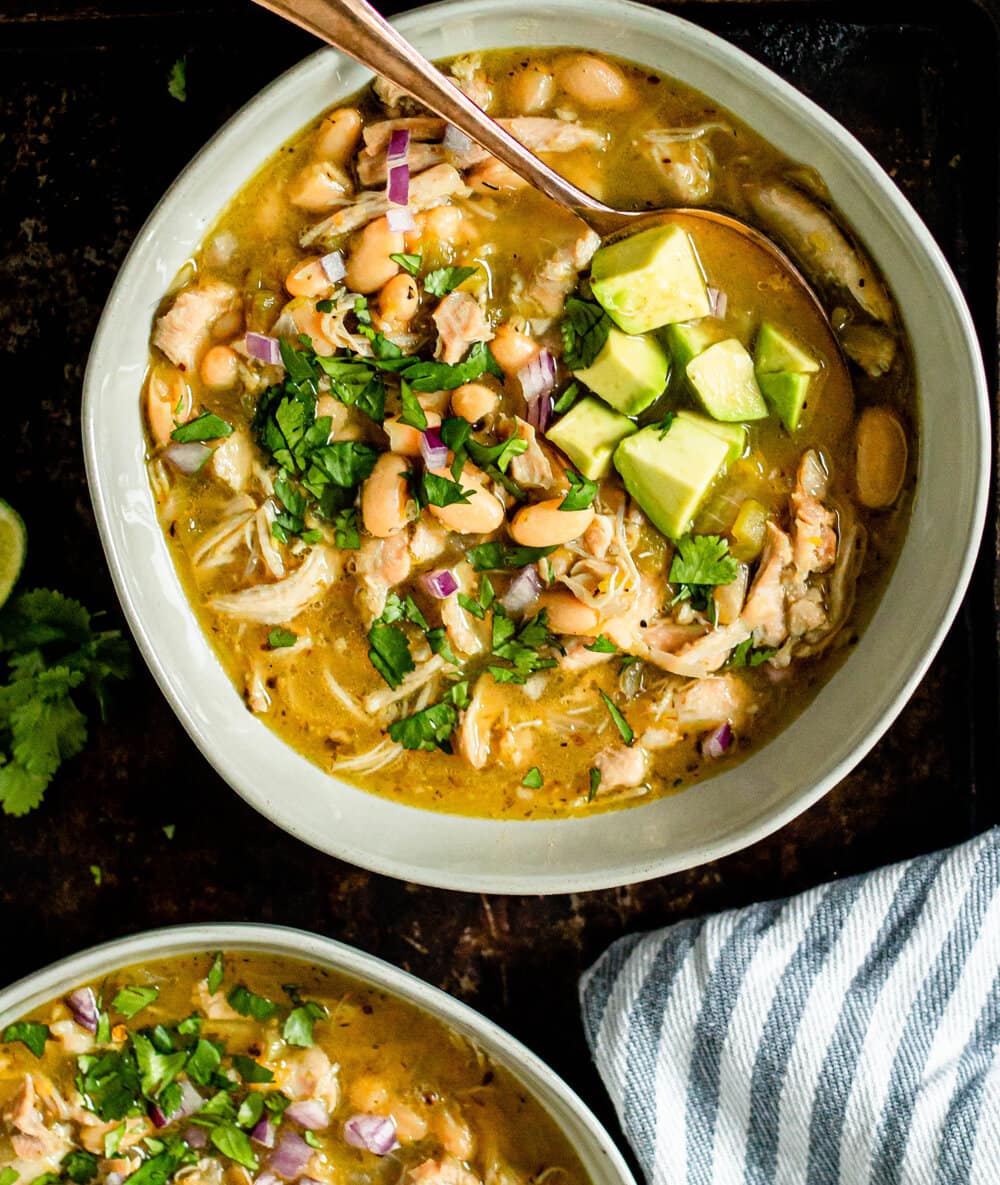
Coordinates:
<point>13,547</point>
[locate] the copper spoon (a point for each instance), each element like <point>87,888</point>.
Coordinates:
<point>356,29</point>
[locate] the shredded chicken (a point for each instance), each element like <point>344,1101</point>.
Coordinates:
<point>548,287</point>
<point>473,735</point>
<point>814,540</point>
<point>622,766</point>
<point>709,702</point>
<point>277,604</point>
<point>764,611</point>
<point>183,331</point>
<point>444,1171</point>
<point>232,461</point>
<point>460,323</point>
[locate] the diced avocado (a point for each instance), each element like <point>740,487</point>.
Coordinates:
<point>669,473</point>
<point>687,339</point>
<point>777,350</point>
<point>786,393</point>
<point>723,379</point>
<point>734,435</point>
<point>650,279</point>
<point>588,434</point>
<point>629,372</point>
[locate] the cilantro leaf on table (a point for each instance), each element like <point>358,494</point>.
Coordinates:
<point>443,280</point>
<point>431,727</point>
<point>52,653</point>
<point>585,327</point>
<point>177,81</point>
<point>581,494</point>
<point>700,563</point>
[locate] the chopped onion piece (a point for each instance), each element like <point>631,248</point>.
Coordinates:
<point>264,348</point>
<point>401,219</point>
<point>456,141</point>
<point>717,743</point>
<point>399,145</point>
<point>188,458</point>
<point>375,1133</point>
<point>537,379</point>
<point>433,449</point>
<point>718,301</point>
<point>191,1101</point>
<point>83,1004</point>
<point>308,1113</point>
<point>263,1132</point>
<point>439,584</point>
<point>333,266</point>
<point>290,1157</point>
<point>398,185</point>
<point>524,590</point>
<point>266,1178</point>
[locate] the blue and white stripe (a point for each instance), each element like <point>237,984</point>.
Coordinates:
<point>847,1036</point>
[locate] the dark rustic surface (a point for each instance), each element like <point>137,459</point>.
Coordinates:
<point>88,140</point>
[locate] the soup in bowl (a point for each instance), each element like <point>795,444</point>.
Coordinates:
<point>483,516</point>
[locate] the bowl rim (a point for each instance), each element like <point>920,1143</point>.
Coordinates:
<point>545,1085</point>
<point>639,868</point>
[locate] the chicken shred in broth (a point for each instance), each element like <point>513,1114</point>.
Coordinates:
<point>227,1070</point>
<point>485,517</point>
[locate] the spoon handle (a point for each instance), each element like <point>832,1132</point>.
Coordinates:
<point>356,29</point>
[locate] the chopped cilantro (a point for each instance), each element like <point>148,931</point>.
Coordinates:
<point>413,413</point>
<point>298,1026</point>
<point>177,81</point>
<point>390,650</point>
<point>169,830</point>
<point>113,1139</point>
<point>235,1144</point>
<point>500,454</point>
<point>251,1071</point>
<point>440,376</point>
<point>581,492</point>
<point>533,778</point>
<point>133,999</point>
<point>247,1003</point>
<point>79,1166</point>
<point>700,563</point>
<point>595,782</point>
<point>747,655</point>
<point>207,426</point>
<point>409,263</point>
<point>156,1070</point>
<point>519,646</point>
<point>345,529</point>
<point>279,638</point>
<point>624,729</point>
<point>585,328</point>
<point>431,490</point>
<point>489,557</point>
<point>311,1139</point>
<point>203,1061</point>
<point>49,655</point>
<point>29,1033</point>
<point>250,1110</point>
<point>216,974</point>
<point>97,874</point>
<point>471,605</point>
<point>443,280</point>
<point>666,423</point>
<point>437,639</point>
<point>432,727</point>
<point>602,645</point>
<point>160,1168</point>
<point>8,1176</point>
<point>567,399</point>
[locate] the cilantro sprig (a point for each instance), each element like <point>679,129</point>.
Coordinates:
<point>585,327</point>
<point>700,563</point>
<point>581,493</point>
<point>50,655</point>
<point>432,727</point>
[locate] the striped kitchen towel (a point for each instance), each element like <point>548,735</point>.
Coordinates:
<point>848,1036</point>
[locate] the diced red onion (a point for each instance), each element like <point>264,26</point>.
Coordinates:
<point>333,266</point>
<point>399,144</point>
<point>190,1102</point>
<point>290,1157</point>
<point>439,584</point>
<point>456,141</point>
<point>266,1178</point>
<point>374,1133</point>
<point>717,743</point>
<point>114,1179</point>
<point>264,348</point>
<point>188,458</point>
<point>83,1004</point>
<point>524,590</point>
<point>308,1113</point>
<point>539,412</point>
<point>263,1132</point>
<point>398,186</point>
<point>400,220</point>
<point>196,1137</point>
<point>537,379</point>
<point>433,449</point>
<point>718,301</point>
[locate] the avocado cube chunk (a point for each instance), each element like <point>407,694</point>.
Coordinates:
<point>669,473</point>
<point>629,372</point>
<point>723,379</point>
<point>775,350</point>
<point>650,279</point>
<point>588,434</point>
<point>733,435</point>
<point>688,339</point>
<point>786,393</point>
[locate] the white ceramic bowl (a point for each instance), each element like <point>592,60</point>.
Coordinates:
<point>719,816</point>
<point>597,1152</point>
